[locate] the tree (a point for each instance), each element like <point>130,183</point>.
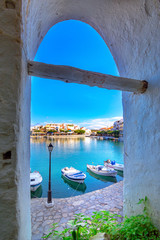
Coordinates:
<point>52,131</point>
<point>99,132</point>
<point>66,131</point>
<point>109,133</point>
<point>79,131</point>
<point>116,133</point>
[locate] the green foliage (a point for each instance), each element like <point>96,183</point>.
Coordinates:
<point>109,132</point>
<point>132,228</point>
<point>79,131</point>
<point>116,133</point>
<point>52,131</point>
<point>135,227</point>
<point>99,132</point>
<point>66,131</point>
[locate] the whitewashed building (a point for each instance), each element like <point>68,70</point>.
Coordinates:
<point>118,125</point>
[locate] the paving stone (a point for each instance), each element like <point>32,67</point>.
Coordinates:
<point>109,198</point>
<point>57,216</point>
<point>37,236</point>
<point>78,203</point>
<point>46,230</point>
<point>40,214</point>
<point>39,219</point>
<point>92,197</point>
<point>70,214</point>
<point>47,223</point>
<point>83,210</point>
<point>65,215</point>
<point>60,228</point>
<point>63,220</point>
<point>34,227</point>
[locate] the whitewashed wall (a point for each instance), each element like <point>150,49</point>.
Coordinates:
<point>131,30</point>
<point>14,127</point>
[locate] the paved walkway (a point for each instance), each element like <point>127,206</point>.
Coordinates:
<point>109,198</point>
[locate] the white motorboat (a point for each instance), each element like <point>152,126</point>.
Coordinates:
<point>114,165</point>
<point>102,170</point>
<point>73,174</point>
<point>35,180</point>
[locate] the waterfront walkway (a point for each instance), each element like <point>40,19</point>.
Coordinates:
<point>109,198</point>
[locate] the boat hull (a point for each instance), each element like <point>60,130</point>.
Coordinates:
<point>33,188</point>
<point>105,179</point>
<point>102,173</point>
<point>35,180</point>
<point>73,180</point>
<point>37,193</point>
<point>117,166</point>
<point>73,175</point>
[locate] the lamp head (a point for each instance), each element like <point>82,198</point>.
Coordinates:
<point>50,147</point>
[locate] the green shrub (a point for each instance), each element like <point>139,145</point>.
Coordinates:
<point>132,228</point>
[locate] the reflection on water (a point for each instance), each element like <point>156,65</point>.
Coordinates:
<point>81,187</point>
<point>120,173</point>
<point>102,178</point>
<point>75,152</point>
<point>37,193</point>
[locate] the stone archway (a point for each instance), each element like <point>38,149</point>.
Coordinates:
<point>131,30</point>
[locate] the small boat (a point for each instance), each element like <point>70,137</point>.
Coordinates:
<point>105,179</point>
<point>37,193</point>
<point>35,180</point>
<point>73,174</point>
<point>114,165</point>
<point>102,170</point>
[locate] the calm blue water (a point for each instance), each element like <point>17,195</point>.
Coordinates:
<point>75,152</point>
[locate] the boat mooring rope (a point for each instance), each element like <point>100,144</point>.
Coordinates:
<point>75,189</point>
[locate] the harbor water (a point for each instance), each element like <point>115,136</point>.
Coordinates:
<point>75,152</point>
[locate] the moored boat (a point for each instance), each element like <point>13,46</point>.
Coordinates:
<point>37,193</point>
<point>102,170</point>
<point>114,165</point>
<point>102,178</point>
<point>73,174</point>
<point>35,180</point>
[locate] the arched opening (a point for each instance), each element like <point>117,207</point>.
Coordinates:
<point>76,44</point>
<point>77,49</point>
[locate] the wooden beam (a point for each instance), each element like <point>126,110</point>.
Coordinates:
<point>75,75</point>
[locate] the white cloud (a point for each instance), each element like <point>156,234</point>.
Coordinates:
<point>99,122</point>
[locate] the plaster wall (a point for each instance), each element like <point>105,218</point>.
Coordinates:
<point>14,127</point>
<point>131,29</point>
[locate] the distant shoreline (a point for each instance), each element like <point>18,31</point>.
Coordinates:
<point>78,136</point>
<point>59,136</point>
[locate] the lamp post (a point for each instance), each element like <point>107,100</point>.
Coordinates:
<point>49,200</point>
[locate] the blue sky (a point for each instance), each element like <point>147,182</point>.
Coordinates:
<point>76,44</point>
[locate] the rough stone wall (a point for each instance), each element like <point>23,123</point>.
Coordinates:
<point>14,127</point>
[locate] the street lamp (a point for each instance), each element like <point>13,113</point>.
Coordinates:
<point>49,200</point>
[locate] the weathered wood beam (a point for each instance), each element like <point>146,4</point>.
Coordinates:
<point>75,75</point>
